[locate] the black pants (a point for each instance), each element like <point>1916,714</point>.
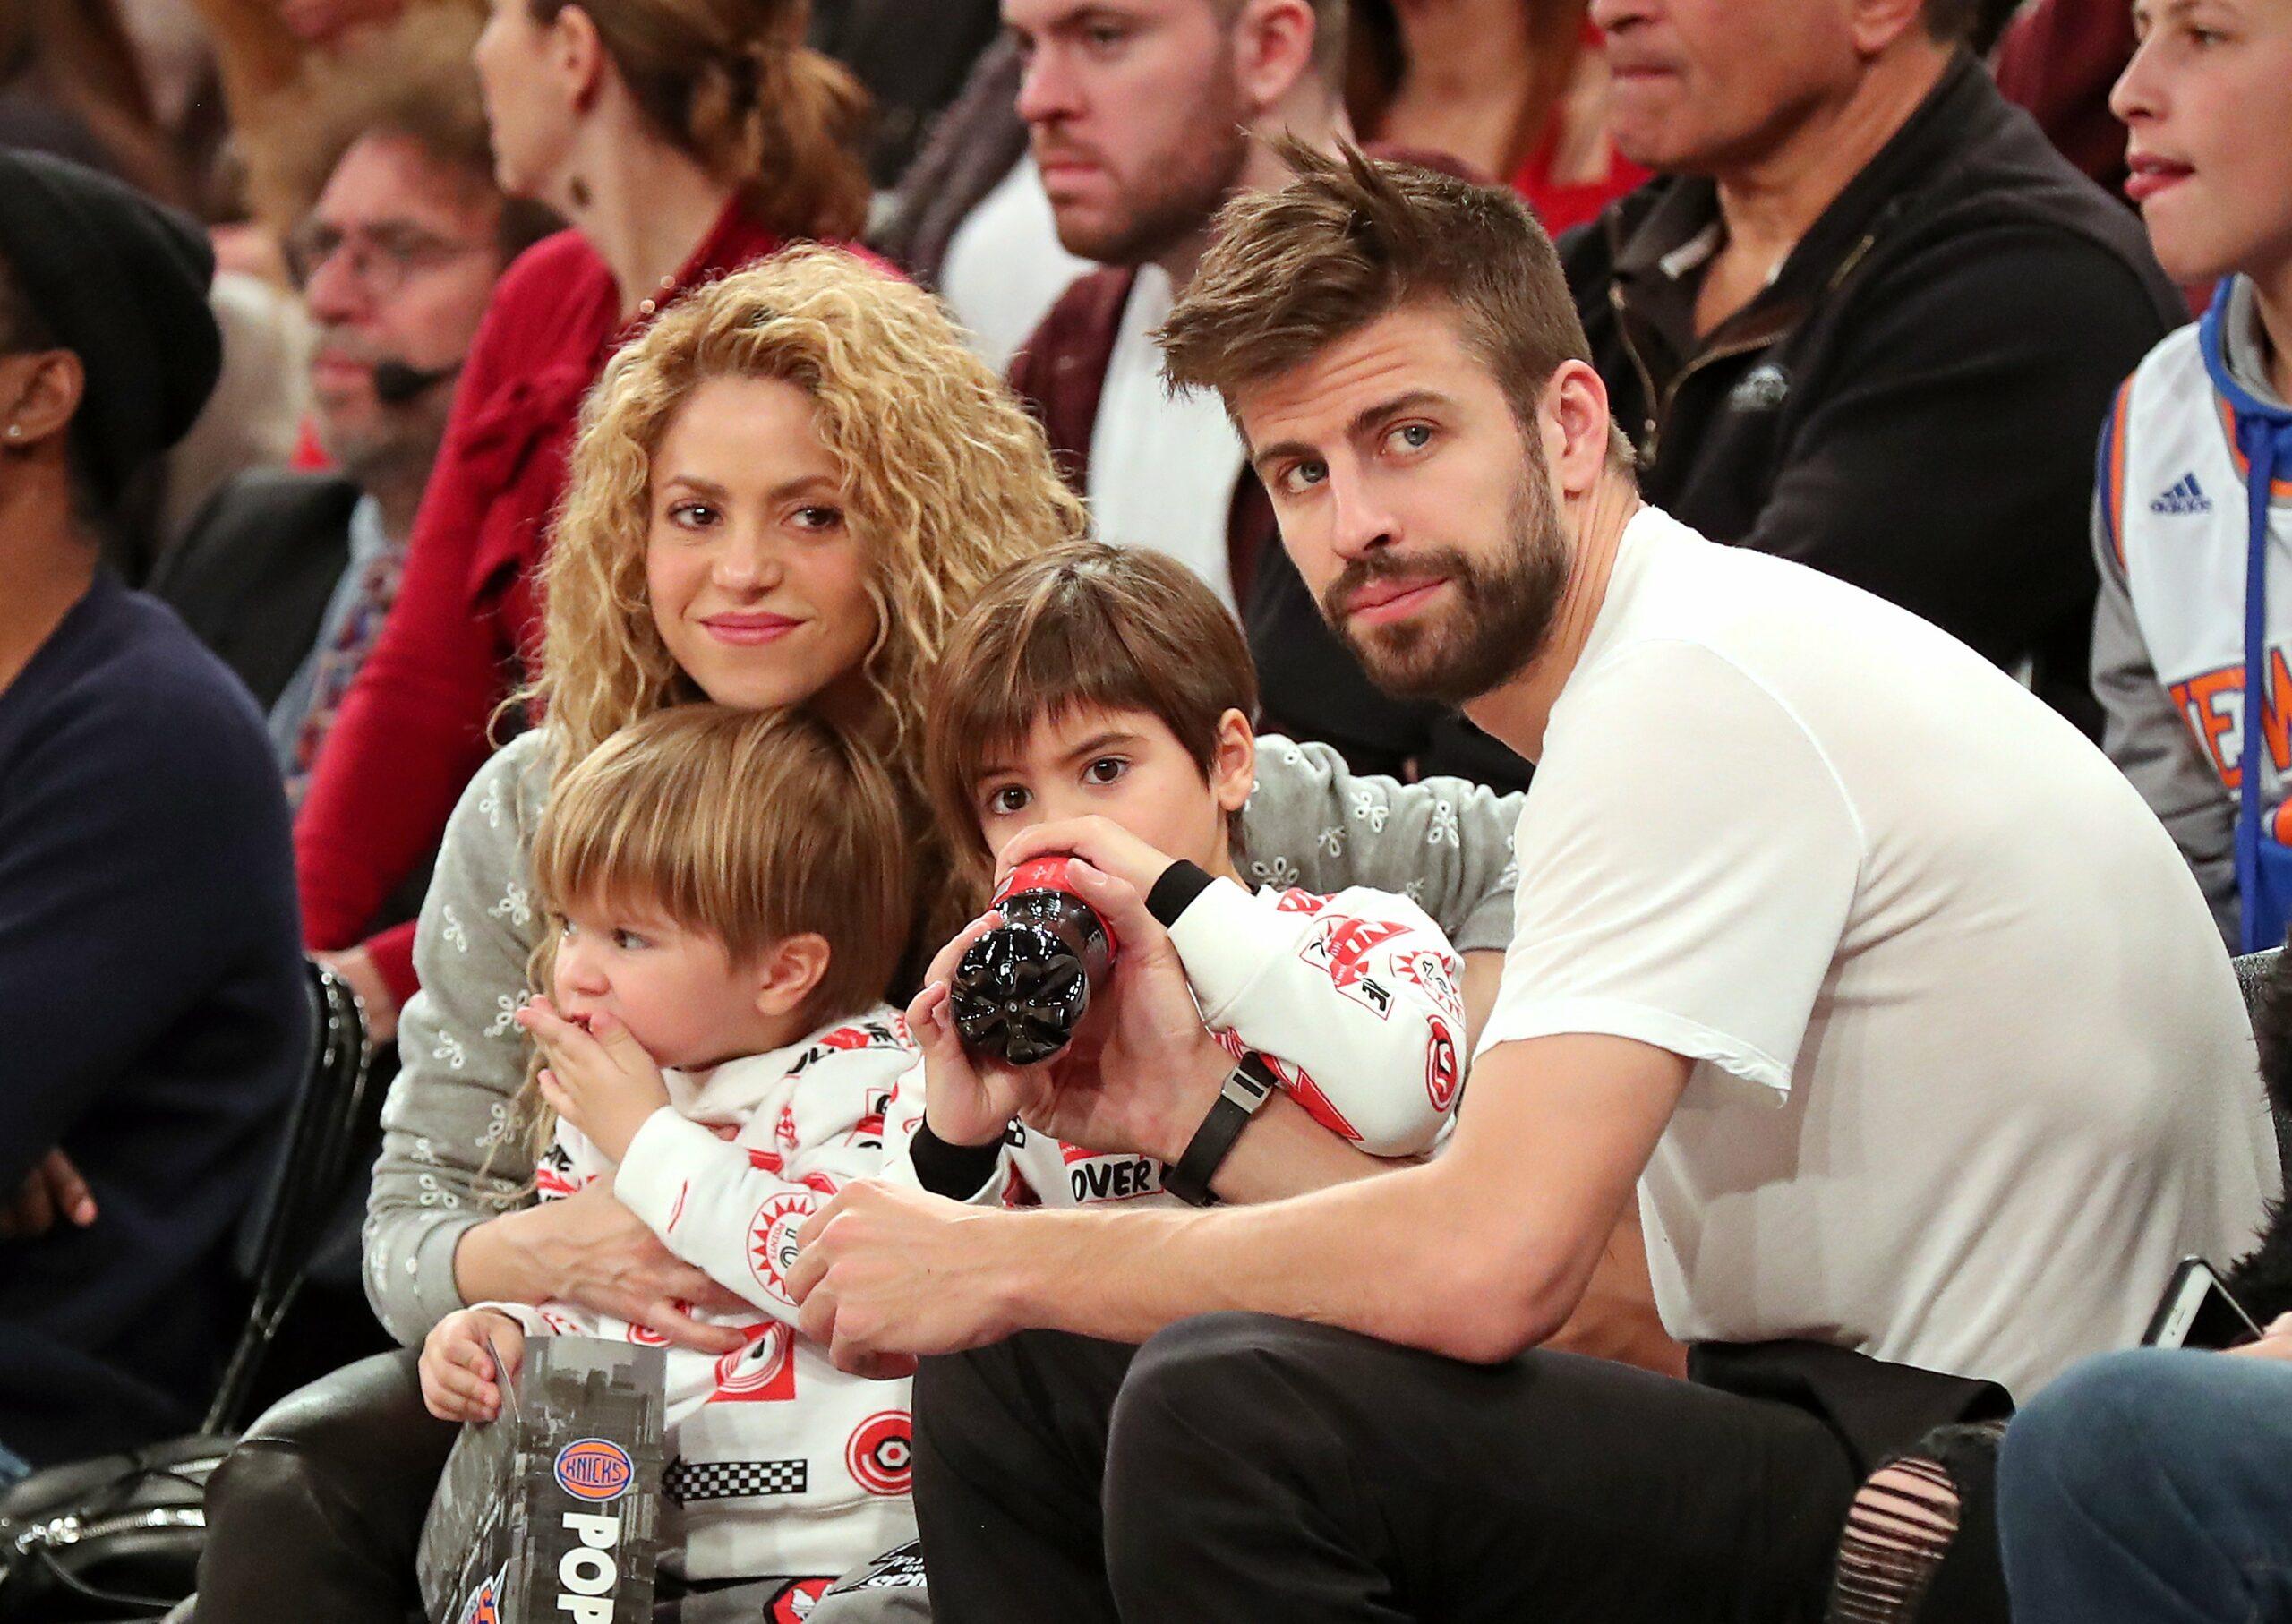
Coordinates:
<point>318,1512</point>
<point>1243,1468</point>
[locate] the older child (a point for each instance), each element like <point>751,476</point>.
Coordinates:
<point>2193,518</point>
<point>730,897</point>
<point>1110,684</point>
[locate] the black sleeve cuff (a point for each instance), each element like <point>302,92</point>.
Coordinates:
<point>957,1172</point>
<point>1174,891</point>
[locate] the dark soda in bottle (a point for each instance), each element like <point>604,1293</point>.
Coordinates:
<point>1020,990</point>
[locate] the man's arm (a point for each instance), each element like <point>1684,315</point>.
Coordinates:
<point>1478,1255</point>
<point>1487,1248</point>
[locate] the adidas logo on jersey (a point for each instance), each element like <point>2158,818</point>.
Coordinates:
<point>2185,495</point>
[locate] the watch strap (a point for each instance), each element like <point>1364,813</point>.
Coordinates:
<point>1245,1091</point>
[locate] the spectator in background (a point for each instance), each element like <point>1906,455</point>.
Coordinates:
<point>76,81</point>
<point>71,82</point>
<point>288,575</point>
<point>970,218</point>
<point>2058,58</point>
<point>1143,123</point>
<point>152,1006</point>
<point>1518,88</point>
<point>681,139</point>
<point>2194,508</point>
<point>1860,317</point>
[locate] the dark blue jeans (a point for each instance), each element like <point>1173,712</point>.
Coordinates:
<point>2153,1485</point>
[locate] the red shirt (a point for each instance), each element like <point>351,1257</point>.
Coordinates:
<point>413,729</point>
<point>1561,204</point>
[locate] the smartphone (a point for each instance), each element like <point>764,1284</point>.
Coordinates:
<point>2197,1312</point>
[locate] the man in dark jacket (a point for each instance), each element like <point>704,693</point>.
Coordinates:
<point>1868,318</point>
<point>153,1015</point>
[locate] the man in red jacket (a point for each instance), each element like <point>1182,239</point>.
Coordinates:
<point>1142,126</point>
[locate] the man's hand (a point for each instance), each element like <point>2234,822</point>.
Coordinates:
<point>885,1274</point>
<point>1100,841</point>
<point>591,1250</point>
<point>459,1381</point>
<point>53,1191</point>
<point>599,1077</point>
<point>357,966</point>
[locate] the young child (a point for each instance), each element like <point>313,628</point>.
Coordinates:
<point>1111,684</point>
<point>731,890</point>
<point>2193,516</point>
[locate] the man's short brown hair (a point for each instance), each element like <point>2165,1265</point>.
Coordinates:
<point>1085,627</point>
<point>1350,240</point>
<point>411,79</point>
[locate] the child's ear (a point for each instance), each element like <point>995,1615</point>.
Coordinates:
<point>790,970</point>
<point>1233,763</point>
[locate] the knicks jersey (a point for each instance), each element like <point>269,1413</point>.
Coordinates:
<point>2178,507</point>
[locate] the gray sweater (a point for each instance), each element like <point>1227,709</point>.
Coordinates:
<point>451,1157</point>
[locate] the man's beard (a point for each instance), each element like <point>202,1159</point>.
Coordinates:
<point>1504,613</point>
<point>1171,201</point>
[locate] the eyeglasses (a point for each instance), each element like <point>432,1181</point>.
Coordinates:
<point>382,259</point>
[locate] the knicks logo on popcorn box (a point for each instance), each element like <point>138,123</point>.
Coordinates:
<point>595,1469</point>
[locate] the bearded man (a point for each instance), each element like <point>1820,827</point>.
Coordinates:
<point>1143,117</point>
<point>1860,962</point>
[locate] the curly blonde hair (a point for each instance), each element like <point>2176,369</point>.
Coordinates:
<point>946,479</point>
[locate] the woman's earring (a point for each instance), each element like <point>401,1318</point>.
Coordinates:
<point>15,430</point>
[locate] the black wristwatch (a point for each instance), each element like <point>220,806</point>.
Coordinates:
<point>1244,1090</point>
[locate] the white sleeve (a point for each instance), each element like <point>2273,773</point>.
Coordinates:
<point>1689,860</point>
<point>1354,996</point>
<point>733,1209</point>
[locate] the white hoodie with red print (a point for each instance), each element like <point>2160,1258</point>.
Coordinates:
<point>1353,1000</point>
<point>784,1465</point>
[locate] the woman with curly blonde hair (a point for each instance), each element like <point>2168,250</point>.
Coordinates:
<point>784,493</point>
<point>678,140</point>
<point>881,377</point>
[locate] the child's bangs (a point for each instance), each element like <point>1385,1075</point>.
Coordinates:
<point>1052,667</point>
<point>638,856</point>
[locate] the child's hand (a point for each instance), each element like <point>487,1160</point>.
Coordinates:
<point>967,1099</point>
<point>1100,841</point>
<point>458,1380</point>
<point>599,1078</point>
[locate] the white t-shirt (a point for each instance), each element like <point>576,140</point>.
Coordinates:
<point>1972,1074</point>
<point>1162,468</point>
<point>1006,266</point>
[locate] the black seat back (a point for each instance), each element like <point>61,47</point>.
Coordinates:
<point>332,1117</point>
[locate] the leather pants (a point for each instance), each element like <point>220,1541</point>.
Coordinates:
<point>317,1511</point>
